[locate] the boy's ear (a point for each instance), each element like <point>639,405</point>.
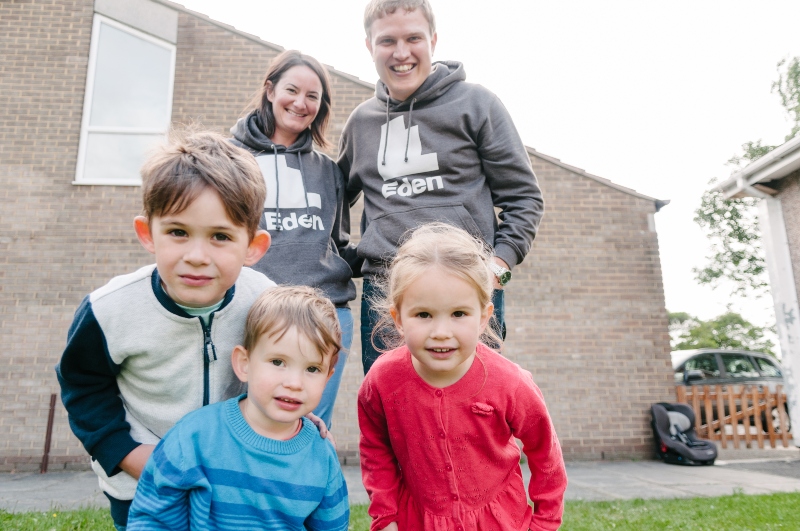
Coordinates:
<point>433,42</point>
<point>142,227</point>
<point>240,362</point>
<point>368,42</point>
<point>257,248</point>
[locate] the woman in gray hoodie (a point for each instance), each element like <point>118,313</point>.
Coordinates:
<point>304,211</point>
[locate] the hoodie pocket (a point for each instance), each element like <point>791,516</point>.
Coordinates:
<point>386,233</point>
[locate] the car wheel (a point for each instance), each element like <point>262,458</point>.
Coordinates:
<point>775,419</point>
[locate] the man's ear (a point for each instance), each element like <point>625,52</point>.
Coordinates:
<point>142,227</point>
<point>433,42</point>
<point>258,247</point>
<point>240,362</point>
<point>368,42</point>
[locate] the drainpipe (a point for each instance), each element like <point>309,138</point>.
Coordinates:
<point>784,296</point>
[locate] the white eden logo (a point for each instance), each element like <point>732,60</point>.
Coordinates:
<point>396,165</point>
<point>286,190</point>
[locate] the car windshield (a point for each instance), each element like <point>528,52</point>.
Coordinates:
<point>739,366</point>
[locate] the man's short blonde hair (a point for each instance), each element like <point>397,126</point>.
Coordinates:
<point>305,308</point>
<point>380,8</point>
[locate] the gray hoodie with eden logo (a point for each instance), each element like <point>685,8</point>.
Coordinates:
<point>449,153</point>
<point>304,213</point>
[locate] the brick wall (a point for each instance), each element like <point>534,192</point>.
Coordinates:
<point>585,310</point>
<point>57,241</point>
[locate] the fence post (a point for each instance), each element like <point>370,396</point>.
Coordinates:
<point>48,435</point>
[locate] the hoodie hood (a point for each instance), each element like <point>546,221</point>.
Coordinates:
<point>443,75</point>
<point>250,132</point>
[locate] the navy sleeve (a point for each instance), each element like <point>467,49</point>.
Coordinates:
<point>89,391</point>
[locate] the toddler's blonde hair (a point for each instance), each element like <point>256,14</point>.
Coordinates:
<point>436,245</point>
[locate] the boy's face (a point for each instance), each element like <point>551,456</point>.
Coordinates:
<point>199,251</point>
<point>401,45</point>
<point>285,380</point>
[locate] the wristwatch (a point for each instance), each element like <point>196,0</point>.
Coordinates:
<point>503,275</point>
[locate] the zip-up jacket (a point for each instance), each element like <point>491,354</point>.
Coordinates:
<point>135,363</point>
<point>304,213</point>
<point>449,153</point>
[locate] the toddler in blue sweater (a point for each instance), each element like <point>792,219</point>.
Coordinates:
<point>254,461</point>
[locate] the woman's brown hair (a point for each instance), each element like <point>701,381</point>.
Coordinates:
<point>283,62</point>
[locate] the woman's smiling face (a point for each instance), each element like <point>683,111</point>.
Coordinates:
<point>295,102</point>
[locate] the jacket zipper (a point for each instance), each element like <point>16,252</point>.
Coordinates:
<point>209,355</point>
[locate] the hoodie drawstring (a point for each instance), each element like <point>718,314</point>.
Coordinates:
<point>386,139</point>
<point>303,181</point>
<point>278,224</point>
<point>408,131</point>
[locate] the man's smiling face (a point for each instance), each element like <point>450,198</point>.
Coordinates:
<point>402,46</point>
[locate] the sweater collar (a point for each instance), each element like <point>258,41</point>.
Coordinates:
<point>171,306</point>
<point>248,436</point>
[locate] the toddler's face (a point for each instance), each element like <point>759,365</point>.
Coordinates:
<point>441,320</point>
<point>199,251</point>
<point>285,380</point>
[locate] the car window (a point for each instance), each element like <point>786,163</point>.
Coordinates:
<point>768,368</point>
<point>739,366</point>
<point>706,363</point>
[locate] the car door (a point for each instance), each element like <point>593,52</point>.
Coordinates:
<point>770,372</point>
<point>740,369</point>
<point>708,365</point>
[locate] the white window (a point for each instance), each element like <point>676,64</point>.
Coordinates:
<point>128,103</point>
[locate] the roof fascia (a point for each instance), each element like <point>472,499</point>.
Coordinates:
<point>256,39</point>
<point>659,202</point>
<point>776,164</point>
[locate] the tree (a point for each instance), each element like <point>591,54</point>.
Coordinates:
<point>732,225</point>
<point>729,330</point>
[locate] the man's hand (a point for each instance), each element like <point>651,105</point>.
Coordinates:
<point>134,462</point>
<point>323,429</point>
<point>501,263</point>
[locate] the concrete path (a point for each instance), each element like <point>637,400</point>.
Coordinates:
<point>591,481</point>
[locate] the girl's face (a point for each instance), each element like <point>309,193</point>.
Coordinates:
<point>295,102</point>
<point>441,320</point>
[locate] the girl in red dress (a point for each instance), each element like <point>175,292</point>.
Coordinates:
<point>440,414</point>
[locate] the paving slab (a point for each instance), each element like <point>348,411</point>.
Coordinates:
<point>589,481</point>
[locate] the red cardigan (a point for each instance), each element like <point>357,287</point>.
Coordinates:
<point>446,459</point>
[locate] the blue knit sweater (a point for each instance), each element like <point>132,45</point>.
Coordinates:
<point>212,471</point>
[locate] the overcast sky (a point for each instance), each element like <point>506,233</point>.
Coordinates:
<point>653,96</point>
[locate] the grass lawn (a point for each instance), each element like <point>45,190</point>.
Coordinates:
<point>728,513</point>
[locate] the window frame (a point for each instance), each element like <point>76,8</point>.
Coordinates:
<point>86,128</point>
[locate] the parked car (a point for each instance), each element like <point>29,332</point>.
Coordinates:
<point>722,367</point>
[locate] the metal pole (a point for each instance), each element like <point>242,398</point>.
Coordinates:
<point>46,456</point>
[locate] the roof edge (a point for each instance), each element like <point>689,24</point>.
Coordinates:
<point>659,202</point>
<point>254,38</point>
<point>776,164</point>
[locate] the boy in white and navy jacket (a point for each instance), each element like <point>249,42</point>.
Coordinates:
<point>151,346</point>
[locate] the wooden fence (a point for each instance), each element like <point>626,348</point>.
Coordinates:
<point>738,414</point>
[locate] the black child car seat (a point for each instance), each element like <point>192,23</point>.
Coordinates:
<point>675,438</point>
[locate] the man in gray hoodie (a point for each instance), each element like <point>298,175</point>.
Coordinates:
<point>431,147</point>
